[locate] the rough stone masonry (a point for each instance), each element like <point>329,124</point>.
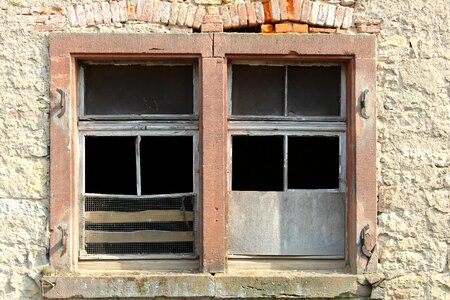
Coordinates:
<point>413,124</point>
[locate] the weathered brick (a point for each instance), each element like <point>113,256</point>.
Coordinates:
<point>267,28</point>
<point>81,15</point>
<point>368,28</point>
<point>321,30</point>
<point>140,9</point>
<point>348,18</point>
<point>123,12</point>
<point>208,2</point>
<point>199,14</point>
<point>106,13</point>
<point>71,15</point>
<point>212,10</point>
<point>242,11</point>
<point>212,19</point>
<point>339,16</point>
<point>296,9</point>
<point>165,12</point>
<point>182,14</point>
<point>147,15</point>
<point>314,13</point>
<point>56,19</point>
<point>157,7</point>
<point>114,11</point>
<point>251,14</point>
<point>212,27</point>
<point>226,19</point>
<point>49,10</point>
<point>283,9</point>
<point>259,11</point>
<point>174,9</point>
<point>90,21</point>
<point>48,28</point>
<point>300,28</point>
<point>131,10</point>
<point>190,14</point>
<point>98,16</point>
<point>306,8</point>
<point>283,27</point>
<point>330,17</point>
<point>40,18</point>
<point>275,15</point>
<point>322,16</point>
<point>233,9</point>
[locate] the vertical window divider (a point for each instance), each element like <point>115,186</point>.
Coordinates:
<point>285,113</point>
<point>138,166</point>
<point>285,167</point>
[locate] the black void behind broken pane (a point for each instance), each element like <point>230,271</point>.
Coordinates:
<point>314,91</point>
<point>257,163</point>
<point>139,90</point>
<point>110,165</point>
<point>166,164</point>
<point>258,90</point>
<point>313,162</point>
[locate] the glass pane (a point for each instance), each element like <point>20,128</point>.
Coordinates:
<point>313,162</point>
<point>257,163</point>
<point>314,91</point>
<point>258,90</point>
<point>110,165</point>
<point>166,164</point>
<point>138,90</point>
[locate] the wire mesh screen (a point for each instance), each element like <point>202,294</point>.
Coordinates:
<point>153,225</point>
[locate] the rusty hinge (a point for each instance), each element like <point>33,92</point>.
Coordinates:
<point>364,103</point>
<point>64,236</point>
<point>368,241</point>
<point>62,102</point>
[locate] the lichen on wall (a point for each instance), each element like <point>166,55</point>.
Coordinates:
<point>413,127</point>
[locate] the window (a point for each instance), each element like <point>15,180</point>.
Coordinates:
<point>229,150</point>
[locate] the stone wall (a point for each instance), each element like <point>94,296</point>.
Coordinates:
<point>413,138</point>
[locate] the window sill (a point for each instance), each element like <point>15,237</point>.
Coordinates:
<point>242,284</point>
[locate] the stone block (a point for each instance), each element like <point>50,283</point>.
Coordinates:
<point>114,11</point>
<point>97,10</point>
<point>296,10</point>
<point>233,9</point>
<point>226,19</point>
<point>89,15</point>
<point>321,30</point>
<point>242,11</point>
<point>306,8</point>
<point>182,13</point>
<point>190,15</point>
<point>251,14</point>
<point>348,18</point>
<point>314,13</point>
<point>368,28</point>
<point>106,13</point>
<point>275,14</point>
<point>147,14</point>
<point>212,27</point>
<point>140,9</point>
<point>208,2</point>
<point>157,8</point>
<point>300,28</point>
<point>259,11</point>
<point>339,16</point>
<point>165,12</point>
<point>331,14</point>
<point>174,9</point>
<point>322,16</point>
<point>123,12</point>
<point>198,19</point>
<point>283,27</point>
<point>81,15</point>
<point>131,10</point>
<point>71,16</point>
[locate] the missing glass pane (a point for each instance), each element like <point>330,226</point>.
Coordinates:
<point>110,165</point>
<point>166,164</point>
<point>314,91</point>
<point>257,163</point>
<point>313,162</point>
<point>258,90</point>
<point>140,90</point>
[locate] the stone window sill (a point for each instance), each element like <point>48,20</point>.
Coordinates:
<point>249,284</point>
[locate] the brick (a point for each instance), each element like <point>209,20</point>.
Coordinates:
<point>283,10</point>
<point>296,10</point>
<point>348,18</point>
<point>40,19</point>
<point>174,9</point>
<point>368,28</point>
<point>98,16</point>
<point>147,14</point>
<point>81,15</point>
<point>157,7</point>
<point>212,10</point>
<point>48,28</point>
<point>234,15</point>
<point>275,10</point>
<point>321,30</point>
<point>283,27</point>
<point>339,16</point>
<point>322,16</point>
<point>251,14</point>
<point>90,20</point>
<point>242,11</point>
<point>199,14</point>
<point>56,19</point>
<point>165,12</point>
<point>49,10</point>
<point>71,16</point>
<point>106,13</point>
<point>330,17</point>
<point>212,19</point>
<point>267,28</point>
<point>300,28</point>
<point>306,8</point>
<point>131,10</point>
<point>259,11</point>
<point>182,14</point>
<point>314,13</point>
<point>190,15</point>
<point>226,19</point>
<point>140,8</point>
<point>212,27</point>
<point>123,12</point>
<point>267,15</point>
<point>114,11</point>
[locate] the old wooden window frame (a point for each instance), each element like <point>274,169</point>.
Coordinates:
<point>213,51</point>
